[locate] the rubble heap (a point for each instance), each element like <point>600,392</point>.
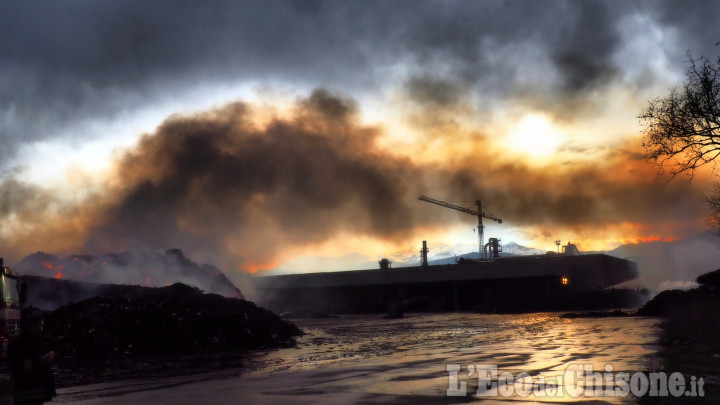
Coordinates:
<point>147,268</point>
<point>51,293</point>
<point>690,316</point>
<point>178,319</point>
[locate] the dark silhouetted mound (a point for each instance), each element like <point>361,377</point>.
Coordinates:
<point>711,279</point>
<point>691,316</point>
<point>664,303</point>
<point>171,320</point>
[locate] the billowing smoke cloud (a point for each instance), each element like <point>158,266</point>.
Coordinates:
<point>237,191</point>
<point>33,218</point>
<point>216,182</point>
<point>583,196</point>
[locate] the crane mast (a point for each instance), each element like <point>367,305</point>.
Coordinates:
<point>478,213</point>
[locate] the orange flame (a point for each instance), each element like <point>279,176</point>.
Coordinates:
<point>58,275</point>
<point>255,266</point>
<point>645,239</point>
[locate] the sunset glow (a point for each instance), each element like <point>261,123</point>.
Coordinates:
<point>376,201</point>
<point>535,136</point>
<point>315,152</point>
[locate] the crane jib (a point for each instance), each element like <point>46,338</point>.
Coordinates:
<point>479,213</point>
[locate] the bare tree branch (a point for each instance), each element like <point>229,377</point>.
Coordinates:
<point>682,130</point>
<point>713,200</point>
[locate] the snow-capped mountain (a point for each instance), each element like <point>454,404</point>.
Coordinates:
<point>515,249</point>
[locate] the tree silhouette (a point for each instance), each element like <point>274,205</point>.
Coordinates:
<point>682,130</point>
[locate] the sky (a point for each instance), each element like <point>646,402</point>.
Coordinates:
<point>253,135</point>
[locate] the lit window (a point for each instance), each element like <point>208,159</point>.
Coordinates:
<point>564,281</point>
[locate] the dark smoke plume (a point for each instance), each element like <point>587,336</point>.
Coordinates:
<point>217,183</point>
<point>232,191</point>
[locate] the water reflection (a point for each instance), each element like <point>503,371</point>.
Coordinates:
<point>368,354</point>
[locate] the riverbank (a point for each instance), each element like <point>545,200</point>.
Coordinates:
<point>690,334</point>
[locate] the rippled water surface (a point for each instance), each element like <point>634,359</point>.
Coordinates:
<point>368,359</point>
<point>409,356</point>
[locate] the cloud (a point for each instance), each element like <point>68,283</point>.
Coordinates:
<point>33,218</point>
<point>64,64</point>
<point>215,182</point>
<point>239,192</point>
<point>436,92</point>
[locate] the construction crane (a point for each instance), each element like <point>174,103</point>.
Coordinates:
<point>478,213</point>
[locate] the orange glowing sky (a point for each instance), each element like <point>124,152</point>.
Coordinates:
<point>163,139</point>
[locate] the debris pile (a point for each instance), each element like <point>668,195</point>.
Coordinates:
<point>705,298</point>
<point>51,293</point>
<point>668,301</point>
<point>150,269</point>
<point>690,316</point>
<point>177,319</point>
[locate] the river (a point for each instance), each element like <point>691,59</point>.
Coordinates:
<point>368,359</point>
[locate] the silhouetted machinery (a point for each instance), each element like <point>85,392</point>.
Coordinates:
<point>495,243</point>
<point>424,254</point>
<point>13,291</point>
<point>495,248</point>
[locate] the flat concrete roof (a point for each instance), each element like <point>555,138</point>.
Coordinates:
<point>603,269</point>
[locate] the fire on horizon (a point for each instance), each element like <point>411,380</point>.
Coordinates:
<point>251,151</point>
